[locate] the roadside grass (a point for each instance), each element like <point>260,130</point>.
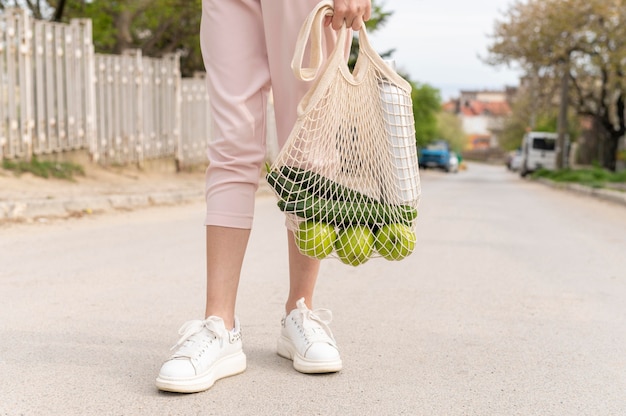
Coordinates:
<point>44,169</point>
<point>595,177</point>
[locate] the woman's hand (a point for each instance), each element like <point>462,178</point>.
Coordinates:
<point>353,12</point>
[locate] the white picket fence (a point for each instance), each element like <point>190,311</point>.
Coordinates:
<point>137,107</point>
<point>57,95</point>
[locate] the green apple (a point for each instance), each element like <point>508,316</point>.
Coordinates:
<point>355,244</point>
<point>395,241</point>
<point>315,239</point>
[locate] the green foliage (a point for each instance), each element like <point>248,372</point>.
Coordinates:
<point>595,177</point>
<point>547,122</point>
<point>517,124</point>
<point>449,128</point>
<point>426,106</point>
<point>103,28</point>
<point>513,133</point>
<point>157,27</point>
<point>44,169</point>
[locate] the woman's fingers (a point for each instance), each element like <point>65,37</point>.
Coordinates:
<point>352,12</point>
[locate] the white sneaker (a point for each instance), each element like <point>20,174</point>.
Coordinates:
<point>207,353</point>
<point>307,340</point>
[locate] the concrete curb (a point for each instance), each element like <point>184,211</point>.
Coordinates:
<point>31,209</point>
<point>608,195</point>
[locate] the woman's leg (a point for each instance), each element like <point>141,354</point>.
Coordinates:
<point>303,273</point>
<point>305,337</point>
<point>225,249</point>
<point>283,19</point>
<point>233,47</point>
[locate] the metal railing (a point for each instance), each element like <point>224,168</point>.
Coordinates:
<point>57,95</point>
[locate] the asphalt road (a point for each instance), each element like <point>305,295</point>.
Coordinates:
<point>514,303</point>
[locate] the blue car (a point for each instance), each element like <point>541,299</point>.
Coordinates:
<point>437,155</point>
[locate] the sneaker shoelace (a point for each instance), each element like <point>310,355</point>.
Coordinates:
<point>189,338</point>
<point>315,324</point>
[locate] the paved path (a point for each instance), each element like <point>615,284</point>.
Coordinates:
<point>31,199</point>
<point>512,304</point>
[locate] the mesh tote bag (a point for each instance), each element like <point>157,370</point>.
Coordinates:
<point>347,178</point>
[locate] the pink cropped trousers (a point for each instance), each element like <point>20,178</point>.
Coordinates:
<point>247,47</point>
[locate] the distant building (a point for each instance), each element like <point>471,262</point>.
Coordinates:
<point>482,114</point>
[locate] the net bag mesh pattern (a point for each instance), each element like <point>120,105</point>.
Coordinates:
<point>347,178</point>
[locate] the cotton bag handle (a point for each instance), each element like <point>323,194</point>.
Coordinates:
<point>313,29</point>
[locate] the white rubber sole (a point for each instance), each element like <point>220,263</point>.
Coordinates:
<point>286,349</point>
<point>225,367</point>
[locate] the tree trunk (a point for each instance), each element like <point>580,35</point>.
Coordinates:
<point>58,12</point>
<point>124,39</point>
<point>561,148</point>
<point>609,156</point>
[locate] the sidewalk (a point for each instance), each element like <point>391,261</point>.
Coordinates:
<point>27,198</point>
<point>609,195</point>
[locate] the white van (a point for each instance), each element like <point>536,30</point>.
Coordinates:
<point>538,152</point>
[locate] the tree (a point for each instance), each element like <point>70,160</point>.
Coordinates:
<point>426,105</point>
<point>35,8</point>
<point>533,110</point>
<point>581,40</point>
<point>40,9</point>
<point>449,128</point>
<point>157,27</point>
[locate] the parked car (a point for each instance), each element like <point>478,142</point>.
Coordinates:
<point>453,165</point>
<point>514,160</point>
<point>436,155</point>
<point>538,152</point>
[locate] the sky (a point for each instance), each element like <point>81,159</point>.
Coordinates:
<point>438,42</point>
